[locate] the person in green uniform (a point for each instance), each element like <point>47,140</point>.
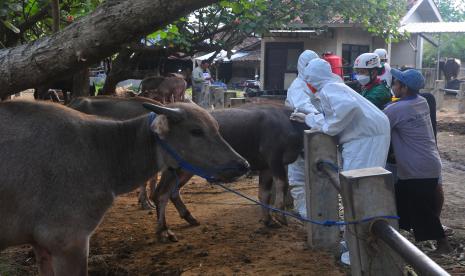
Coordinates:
<point>366,67</point>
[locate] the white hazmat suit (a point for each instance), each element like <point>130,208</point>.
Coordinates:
<point>387,76</point>
<point>297,98</point>
<point>362,129</point>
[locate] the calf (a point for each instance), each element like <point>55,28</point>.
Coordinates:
<point>54,197</point>
<point>164,89</point>
<point>262,134</point>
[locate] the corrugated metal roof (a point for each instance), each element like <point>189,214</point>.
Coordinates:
<point>434,27</point>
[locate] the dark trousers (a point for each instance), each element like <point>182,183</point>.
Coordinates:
<point>415,205</point>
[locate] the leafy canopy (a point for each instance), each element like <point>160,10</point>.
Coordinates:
<point>452,45</point>
<point>222,25</point>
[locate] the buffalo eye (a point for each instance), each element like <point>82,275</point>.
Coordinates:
<point>197,132</point>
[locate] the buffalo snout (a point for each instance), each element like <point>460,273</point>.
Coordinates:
<point>233,170</point>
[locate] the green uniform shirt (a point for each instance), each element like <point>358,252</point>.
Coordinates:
<point>378,94</point>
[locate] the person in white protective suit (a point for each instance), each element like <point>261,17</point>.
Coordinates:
<point>385,73</point>
<point>298,99</point>
<point>362,129</point>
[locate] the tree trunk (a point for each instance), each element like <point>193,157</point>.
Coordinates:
<point>119,64</point>
<point>123,67</point>
<point>88,40</point>
<point>81,83</point>
<point>55,15</point>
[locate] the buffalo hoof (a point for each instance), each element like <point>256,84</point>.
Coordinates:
<point>146,205</point>
<point>191,220</point>
<point>281,219</point>
<point>271,223</point>
<point>166,236</point>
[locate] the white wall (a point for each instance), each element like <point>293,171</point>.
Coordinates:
<point>379,42</point>
<point>402,53</point>
<point>317,44</point>
<point>352,36</point>
<point>321,44</point>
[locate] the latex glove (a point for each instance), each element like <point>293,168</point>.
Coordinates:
<point>315,121</point>
<point>306,109</point>
<point>298,117</point>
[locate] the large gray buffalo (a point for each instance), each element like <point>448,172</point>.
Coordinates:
<point>61,170</point>
<point>262,134</point>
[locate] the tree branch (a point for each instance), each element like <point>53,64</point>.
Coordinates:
<point>88,40</point>
<point>30,21</point>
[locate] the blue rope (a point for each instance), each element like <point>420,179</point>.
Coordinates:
<point>289,214</point>
<point>197,171</point>
<point>333,166</point>
<point>181,162</point>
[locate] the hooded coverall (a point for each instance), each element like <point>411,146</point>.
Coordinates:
<point>363,131</point>
<point>297,98</point>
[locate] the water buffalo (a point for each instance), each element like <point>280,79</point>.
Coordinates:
<point>164,89</point>
<point>54,197</point>
<point>118,108</point>
<point>262,134</point>
<point>450,68</point>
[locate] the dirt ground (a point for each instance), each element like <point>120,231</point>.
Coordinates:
<point>231,240</point>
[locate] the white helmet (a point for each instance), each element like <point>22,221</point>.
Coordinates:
<point>382,53</point>
<point>367,61</point>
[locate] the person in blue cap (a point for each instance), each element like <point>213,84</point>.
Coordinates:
<point>418,162</point>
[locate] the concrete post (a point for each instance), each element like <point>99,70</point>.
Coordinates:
<point>235,102</point>
<point>368,193</point>
<point>439,93</point>
<point>461,98</point>
<point>228,95</point>
<point>321,196</point>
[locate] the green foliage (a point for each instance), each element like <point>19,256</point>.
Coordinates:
<point>226,24</point>
<point>25,20</point>
<point>219,26</point>
<point>451,10</point>
<point>452,45</point>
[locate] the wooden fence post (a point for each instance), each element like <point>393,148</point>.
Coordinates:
<point>368,193</point>
<point>461,98</point>
<point>439,93</point>
<point>321,196</point>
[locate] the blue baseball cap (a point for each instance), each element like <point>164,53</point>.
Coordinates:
<point>411,78</point>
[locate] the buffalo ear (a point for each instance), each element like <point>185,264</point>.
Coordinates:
<point>174,114</point>
<point>160,126</point>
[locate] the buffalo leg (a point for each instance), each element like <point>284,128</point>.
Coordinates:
<point>265,182</point>
<point>162,195</point>
<point>143,199</point>
<point>43,260</point>
<point>71,259</point>
<point>281,192</point>
<point>175,197</point>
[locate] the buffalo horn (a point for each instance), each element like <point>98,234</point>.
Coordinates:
<point>172,113</point>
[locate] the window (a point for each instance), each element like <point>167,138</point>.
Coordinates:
<point>349,53</point>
